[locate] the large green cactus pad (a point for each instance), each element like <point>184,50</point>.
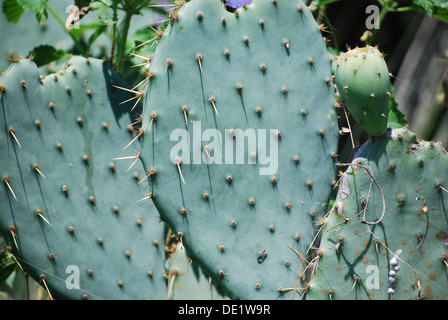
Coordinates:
<point>217,81</point>
<point>68,208</point>
<point>401,254</point>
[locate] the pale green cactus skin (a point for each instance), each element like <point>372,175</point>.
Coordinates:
<point>264,69</point>
<point>59,137</point>
<point>401,254</point>
<point>362,78</point>
<point>186,279</point>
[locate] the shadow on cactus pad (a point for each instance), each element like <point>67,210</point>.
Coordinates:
<point>386,237</point>
<point>71,212</point>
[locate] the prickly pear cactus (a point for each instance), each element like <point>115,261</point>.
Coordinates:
<point>387,234</point>
<point>362,79</point>
<point>240,135</point>
<point>186,279</point>
<point>70,212</point>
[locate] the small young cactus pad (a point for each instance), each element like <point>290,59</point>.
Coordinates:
<point>362,79</point>
<point>241,133</point>
<point>186,280</point>
<point>387,234</point>
<point>70,211</point>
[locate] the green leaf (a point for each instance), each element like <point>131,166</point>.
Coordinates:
<point>45,54</point>
<point>7,266</point>
<point>39,7</point>
<point>333,52</point>
<point>107,3</point>
<point>95,35</point>
<point>426,5</point>
<point>12,10</point>
<point>433,8</point>
<point>396,118</point>
<point>107,20</point>
<point>82,3</point>
<point>159,10</point>
<point>12,277</point>
<point>84,30</point>
<point>139,38</point>
<point>441,13</point>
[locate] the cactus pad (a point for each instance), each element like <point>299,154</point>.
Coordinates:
<point>186,279</point>
<point>70,214</point>
<point>362,79</point>
<point>240,140</point>
<point>395,250</point>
